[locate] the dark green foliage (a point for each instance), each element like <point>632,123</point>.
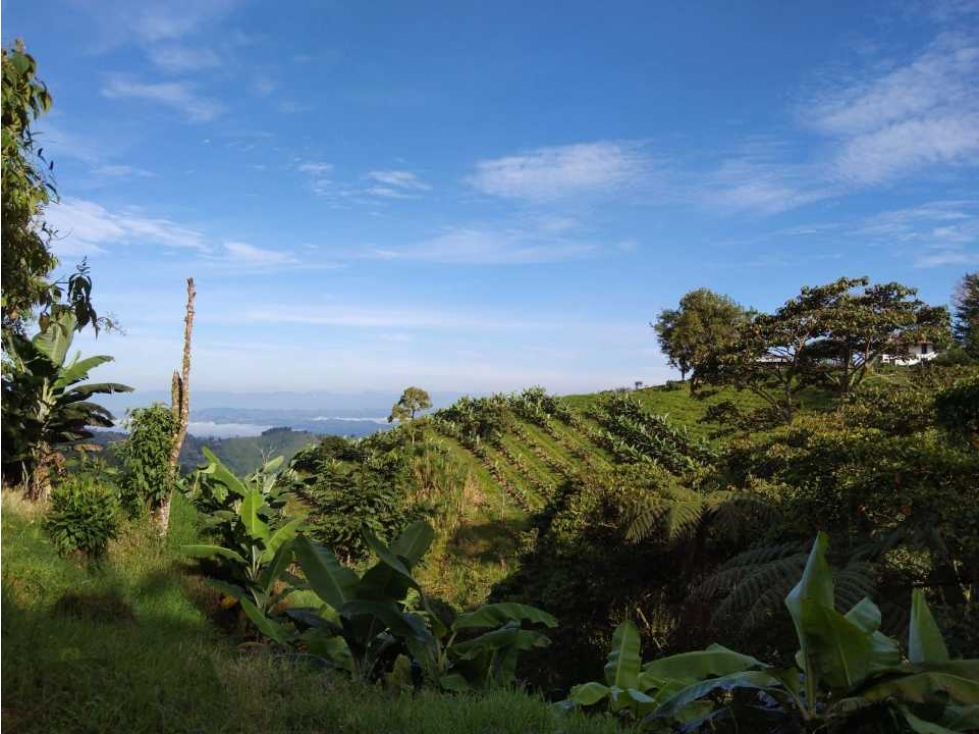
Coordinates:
<point>367,492</point>
<point>957,410</point>
<point>83,516</point>
<point>147,478</point>
<point>330,448</point>
<point>476,419</point>
<point>966,326</point>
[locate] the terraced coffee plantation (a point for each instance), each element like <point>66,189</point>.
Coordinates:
<point>525,446</point>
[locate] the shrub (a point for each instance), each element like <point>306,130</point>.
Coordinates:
<point>147,477</point>
<point>84,516</point>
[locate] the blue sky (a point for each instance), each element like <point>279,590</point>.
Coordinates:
<point>483,196</point>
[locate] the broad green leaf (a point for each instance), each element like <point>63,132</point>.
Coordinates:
<point>273,464</point>
<point>588,694</point>
<point>221,473</point>
<point>268,627</point>
<point>866,615</point>
<point>412,544</point>
<point>752,679</point>
<point>961,718</point>
<point>843,650</point>
<point>924,727</point>
<point>623,665</point>
<point>387,613</point>
<point>507,637</point>
<point>332,649</point>
<point>388,558</point>
<point>209,551</point>
<point>925,643</point>
<point>493,615</point>
<point>695,666</point>
<point>282,535</point>
<point>255,526</point>
<point>815,589</point>
<point>54,341</point>
<point>276,566</point>
<point>958,678</point>
<point>332,582</point>
<point>78,370</point>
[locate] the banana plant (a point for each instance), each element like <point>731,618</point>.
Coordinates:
<point>360,618</point>
<point>480,649</point>
<point>633,689</point>
<point>363,618</point>
<point>255,556</point>
<point>846,668</point>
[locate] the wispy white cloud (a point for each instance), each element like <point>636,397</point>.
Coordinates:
<point>316,168</point>
<point>121,171</point>
<point>405,180</point>
<point>179,59</point>
<point>932,234</point>
<point>165,21</point>
<point>489,246</point>
<point>914,115</point>
<point>87,228</point>
<point>551,173</point>
<point>245,254</point>
<point>180,96</point>
<point>760,185</point>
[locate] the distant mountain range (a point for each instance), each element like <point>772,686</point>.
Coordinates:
<point>227,414</point>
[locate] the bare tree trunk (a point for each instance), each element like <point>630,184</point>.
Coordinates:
<point>180,405</point>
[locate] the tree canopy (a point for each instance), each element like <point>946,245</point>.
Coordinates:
<point>704,323</point>
<point>412,400</point>
<point>828,336</point>
<point>966,302</point>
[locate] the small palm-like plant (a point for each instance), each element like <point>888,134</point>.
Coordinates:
<point>46,403</point>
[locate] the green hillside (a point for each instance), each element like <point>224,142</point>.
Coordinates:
<point>244,454</point>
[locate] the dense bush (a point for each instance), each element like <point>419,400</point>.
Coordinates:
<point>368,492</point>
<point>83,516</point>
<point>147,477</point>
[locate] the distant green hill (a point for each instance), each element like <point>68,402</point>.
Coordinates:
<point>244,454</point>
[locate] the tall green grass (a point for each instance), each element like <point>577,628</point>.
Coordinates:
<point>128,646</point>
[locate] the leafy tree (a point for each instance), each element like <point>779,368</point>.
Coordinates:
<point>147,478</point>
<point>45,407</point>
<point>830,336</point>
<point>966,301</point>
<point>704,323</point>
<point>28,187</point>
<point>412,400</point>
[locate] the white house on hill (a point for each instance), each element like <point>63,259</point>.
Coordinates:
<point>916,354</point>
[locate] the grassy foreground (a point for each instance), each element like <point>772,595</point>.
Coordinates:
<point>128,646</point>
